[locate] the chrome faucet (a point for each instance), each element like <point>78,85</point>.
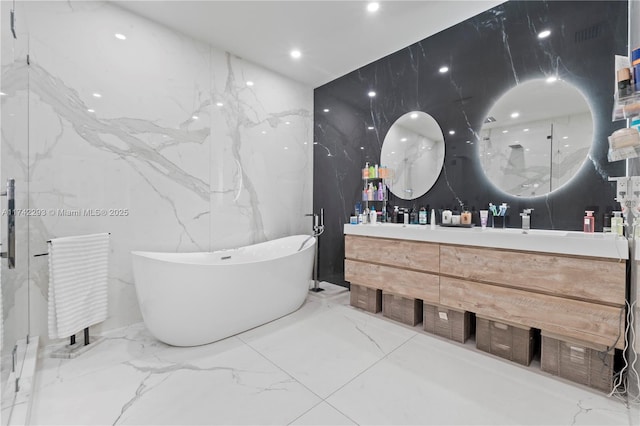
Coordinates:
<point>526,219</point>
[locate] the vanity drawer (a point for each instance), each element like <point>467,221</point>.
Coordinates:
<point>591,279</point>
<point>417,285</point>
<point>578,319</point>
<point>402,253</point>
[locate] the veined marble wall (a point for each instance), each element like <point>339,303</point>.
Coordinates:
<point>181,153</point>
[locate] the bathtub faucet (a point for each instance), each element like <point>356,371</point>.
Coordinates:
<point>318,229</point>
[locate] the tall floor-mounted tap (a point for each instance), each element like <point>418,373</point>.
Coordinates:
<point>318,229</point>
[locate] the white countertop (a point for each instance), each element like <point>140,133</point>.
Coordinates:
<point>546,241</point>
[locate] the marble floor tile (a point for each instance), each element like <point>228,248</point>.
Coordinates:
<point>323,414</point>
<point>325,351</point>
<point>431,381</point>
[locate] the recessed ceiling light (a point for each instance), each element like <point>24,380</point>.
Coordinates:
<point>566,146</point>
<point>315,143</point>
<point>452,132</point>
<point>403,140</point>
<point>565,137</point>
<point>443,69</point>
<point>525,130</point>
<point>120,36</point>
<point>195,117</point>
<point>414,115</point>
<point>373,6</point>
<point>296,54</point>
<point>370,128</point>
<point>249,83</point>
<point>304,143</point>
<point>515,114</point>
<point>468,141</point>
<point>91,110</point>
<point>544,34</point>
<point>287,122</point>
<point>219,104</point>
<point>286,147</point>
<point>97,95</point>
<point>3,94</point>
<point>505,131</point>
<point>362,147</point>
<point>393,152</point>
<point>371,94</point>
<point>527,149</point>
<point>552,79</point>
<point>264,132</point>
<point>326,110</point>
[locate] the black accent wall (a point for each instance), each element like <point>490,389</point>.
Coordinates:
<point>486,55</point>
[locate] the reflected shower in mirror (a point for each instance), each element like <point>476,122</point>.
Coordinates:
<point>536,137</point>
<point>414,150</point>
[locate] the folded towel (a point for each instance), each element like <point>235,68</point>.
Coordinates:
<point>77,283</point>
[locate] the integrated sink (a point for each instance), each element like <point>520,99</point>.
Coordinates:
<point>546,232</point>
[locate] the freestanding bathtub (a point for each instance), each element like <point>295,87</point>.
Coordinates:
<point>190,299</point>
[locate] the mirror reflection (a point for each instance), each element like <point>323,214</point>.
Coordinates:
<point>536,137</point>
<point>414,149</point>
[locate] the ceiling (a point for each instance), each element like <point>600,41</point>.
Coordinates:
<point>334,37</point>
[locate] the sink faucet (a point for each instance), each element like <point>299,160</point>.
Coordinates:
<point>526,219</point>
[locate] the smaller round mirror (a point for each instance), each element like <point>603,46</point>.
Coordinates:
<point>414,150</point>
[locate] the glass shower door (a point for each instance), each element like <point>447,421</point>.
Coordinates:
<point>14,164</point>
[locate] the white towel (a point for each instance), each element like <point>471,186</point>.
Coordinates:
<point>77,283</point>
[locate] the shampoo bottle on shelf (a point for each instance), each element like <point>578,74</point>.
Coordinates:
<point>376,171</point>
<point>365,171</point>
<point>616,223</point>
<point>370,192</point>
<point>372,215</point>
<point>381,192</point>
<point>589,222</point>
<point>372,172</point>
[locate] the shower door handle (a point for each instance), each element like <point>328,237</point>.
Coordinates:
<point>10,254</point>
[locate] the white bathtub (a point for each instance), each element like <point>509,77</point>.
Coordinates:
<point>190,299</point>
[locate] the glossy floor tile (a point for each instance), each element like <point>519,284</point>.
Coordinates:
<point>325,364</point>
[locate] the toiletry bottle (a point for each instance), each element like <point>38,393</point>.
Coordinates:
<point>394,215</point>
<point>372,172</point>
<point>589,222</point>
<point>616,223</point>
<point>413,216</point>
<point>401,216</point>
<point>433,219</point>
<point>365,171</point>
<point>376,171</point>
<point>422,216</point>
<point>406,216</point>
<point>446,217</point>
<point>381,192</point>
<point>365,216</point>
<point>372,215</point>
<point>606,223</point>
<point>370,192</point>
<point>465,217</point>
<point>364,195</point>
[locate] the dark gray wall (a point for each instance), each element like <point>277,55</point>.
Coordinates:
<point>487,55</point>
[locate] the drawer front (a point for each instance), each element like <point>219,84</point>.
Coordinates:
<point>406,254</point>
<point>581,320</point>
<point>587,279</point>
<point>418,285</point>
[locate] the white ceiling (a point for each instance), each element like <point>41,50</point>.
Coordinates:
<point>335,37</point>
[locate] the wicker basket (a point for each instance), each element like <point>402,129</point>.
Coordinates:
<point>402,309</point>
<point>369,299</point>
<point>577,362</point>
<point>508,341</point>
<point>447,322</point>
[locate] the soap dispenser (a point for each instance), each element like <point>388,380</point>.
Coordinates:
<point>589,222</point>
<point>372,215</point>
<point>616,223</point>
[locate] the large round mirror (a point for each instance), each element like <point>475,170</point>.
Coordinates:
<point>536,137</point>
<point>414,150</point>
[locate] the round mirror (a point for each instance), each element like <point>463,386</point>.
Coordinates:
<point>536,137</point>
<point>414,150</point>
